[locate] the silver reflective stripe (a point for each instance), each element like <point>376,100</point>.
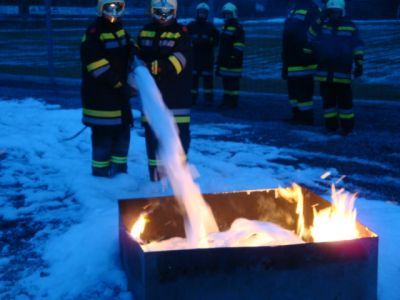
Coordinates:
<point>123,42</point>
<point>167,43</point>
<point>180,112</point>
<point>346,111</point>
<point>301,73</point>
<point>299,17</point>
<point>111,44</point>
<point>95,121</point>
<point>181,58</point>
<point>206,73</point>
<point>322,73</point>
<point>96,73</point>
<point>326,31</point>
<point>228,32</point>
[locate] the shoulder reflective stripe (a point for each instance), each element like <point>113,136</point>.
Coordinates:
<point>358,52</point>
<point>231,28</point>
<point>181,58</point>
<point>238,45</point>
<point>97,64</point>
<point>120,33</point>
<point>107,36</point>
<point>96,73</point>
<point>180,112</point>
<point>101,164</point>
<point>299,17</point>
<point>102,113</point>
<point>175,62</point>
<point>170,35</point>
<point>146,42</point>
<point>329,115</point>
<point>146,33</point>
<point>303,106</point>
<point>346,28</point>
<point>103,122</point>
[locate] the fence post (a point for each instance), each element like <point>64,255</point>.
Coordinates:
<point>50,44</point>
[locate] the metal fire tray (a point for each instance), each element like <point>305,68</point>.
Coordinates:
<point>329,270</point>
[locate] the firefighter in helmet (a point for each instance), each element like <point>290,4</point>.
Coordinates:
<point>164,45</point>
<point>298,60</point>
<point>340,56</point>
<point>204,39</point>
<point>230,56</point>
<point>106,54</point>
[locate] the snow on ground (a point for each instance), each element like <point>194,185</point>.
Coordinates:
<point>59,224</point>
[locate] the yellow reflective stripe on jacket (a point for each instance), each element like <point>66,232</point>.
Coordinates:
<point>346,116</point>
<point>301,11</point>
<point>342,80</point>
<point>301,68</point>
<point>330,115</point>
<point>231,70</point>
<point>359,52</point>
<point>118,85</point>
<point>120,33</point>
<point>170,35</point>
<point>175,62</point>
<point>83,38</point>
<point>347,28</point>
<point>107,36</point>
<point>178,119</point>
<point>154,162</point>
<point>146,33</point>
<point>321,78</point>
<point>97,64</point>
<point>102,113</point>
<point>231,28</point>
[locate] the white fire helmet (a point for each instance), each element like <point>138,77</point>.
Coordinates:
<point>230,8</point>
<point>203,6</point>
<point>164,11</point>
<point>111,9</point>
<point>336,4</point>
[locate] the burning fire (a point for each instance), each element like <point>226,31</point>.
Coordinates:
<point>338,222</point>
<point>139,226</point>
<point>335,223</point>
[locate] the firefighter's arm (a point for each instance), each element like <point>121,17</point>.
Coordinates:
<point>215,37</point>
<point>177,60</point>
<point>238,44</point>
<point>95,62</point>
<point>358,53</point>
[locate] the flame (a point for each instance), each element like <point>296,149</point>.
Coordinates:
<point>338,222</point>
<point>139,226</point>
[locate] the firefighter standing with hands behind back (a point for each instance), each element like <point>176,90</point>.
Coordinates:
<point>204,39</point>
<point>338,48</point>
<point>298,61</point>
<point>106,53</point>
<point>164,45</point>
<point>230,56</point>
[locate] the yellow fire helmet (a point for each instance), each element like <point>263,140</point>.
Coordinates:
<point>164,11</point>
<point>203,6</point>
<point>230,8</point>
<point>111,9</point>
<point>336,4</point>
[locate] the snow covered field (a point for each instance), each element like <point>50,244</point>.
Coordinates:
<point>59,226</point>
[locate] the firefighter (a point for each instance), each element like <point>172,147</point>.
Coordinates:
<point>298,61</point>
<point>165,46</point>
<point>230,56</point>
<point>106,53</point>
<point>340,57</point>
<point>204,39</point>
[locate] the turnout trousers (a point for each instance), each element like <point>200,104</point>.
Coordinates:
<point>301,91</point>
<point>208,86</point>
<point>110,147</point>
<point>231,86</point>
<point>338,106</point>
<point>155,165</point>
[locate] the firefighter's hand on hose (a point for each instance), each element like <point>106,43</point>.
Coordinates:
<point>358,71</point>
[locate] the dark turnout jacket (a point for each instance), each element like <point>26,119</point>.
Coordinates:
<point>338,46</point>
<point>106,53</point>
<point>205,38</point>
<point>167,52</point>
<point>297,57</point>
<point>231,48</point>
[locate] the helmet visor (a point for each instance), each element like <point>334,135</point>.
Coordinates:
<point>163,14</point>
<point>113,9</point>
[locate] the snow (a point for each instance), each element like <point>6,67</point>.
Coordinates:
<point>65,245</point>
